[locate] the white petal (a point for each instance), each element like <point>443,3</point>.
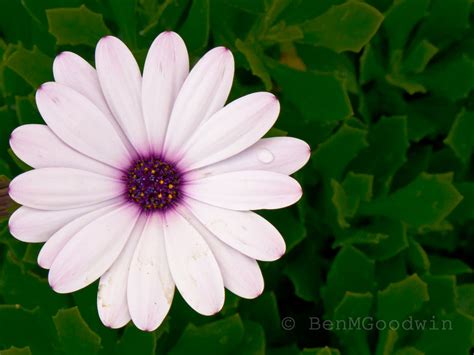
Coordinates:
<point>73,71</point>
<point>246,190</point>
<point>283,155</point>
<point>80,124</point>
<point>112,296</point>
<point>91,252</point>
<point>203,93</point>
<point>60,238</point>
<point>194,269</point>
<point>245,231</point>
<point>121,83</point>
<point>229,131</point>
<point>39,147</point>
<point>37,226</point>
<point>166,67</point>
<point>62,188</point>
<point>150,285</point>
<point>241,274</point>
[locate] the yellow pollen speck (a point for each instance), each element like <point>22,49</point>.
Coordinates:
<point>142,194</point>
<point>161,182</point>
<point>170,196</point>
<point>153,171</point>
<point>170,186</point>
<point>160,195</point>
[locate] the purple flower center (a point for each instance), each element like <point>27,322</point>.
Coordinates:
<point>153,184</point>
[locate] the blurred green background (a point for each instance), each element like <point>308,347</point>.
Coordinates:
<point>382,90</point>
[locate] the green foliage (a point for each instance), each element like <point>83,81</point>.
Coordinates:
<point>382,90</point>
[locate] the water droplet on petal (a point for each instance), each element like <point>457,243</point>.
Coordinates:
<point>265,156</point>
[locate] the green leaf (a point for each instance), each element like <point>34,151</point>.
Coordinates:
<point>447,21</point>
<point>464,211</point>
<point>222,336</point>
<point>358,187</point>
<point>452,77</point>
<point>401,299</point>
<point>465,298</point>
<point>395,242</point>
<point>400,20</point>
<point>442,291</point>
<point>345,27</point>
<point>332,156</point>
<point>291,228</point>
<point>74,334</point>
<point>354,306</point>
<point>25,328</point>
<point>318,96</point>
<point>386,153</point>
<point>417,257</point>
<point>320,351</point>
<point>253,342</point>
<point>461,136</point>
<point>419,57</point>
<point>136,341</point>
<point>448,266</point>
<point>17,286</point>
<point>16,351</point>
<point>195,30</point>
<point>350,271</point>
<point>254,54</point>
<point>27,111</point>
<point>124,12</point>
<point>74,26</point>
<point>264,310</point>
<point>20,62</point>
<point>427,200</point>
<point>304,271</point>
<point>453,332</point>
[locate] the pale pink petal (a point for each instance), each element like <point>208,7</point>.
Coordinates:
<point>193,267</point>
<point>240,273</point>
<point>112,295</point>
<point>91,252</point>
<point>166,67</point>
<point>37,226</point>
<point>245,231</point>
<point>203,93</point>
<point>39,147</point>
<point>62,188</point>
<point>232,129</point>
<point>60,238</point>
<point>283,155</point>
<point>121,83</point>
<point>246,190</point>
<point>150,285</point>
<point>80,124</point>
<point>73,71</point>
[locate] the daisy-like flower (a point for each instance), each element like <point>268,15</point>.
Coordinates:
<point>148,182</point>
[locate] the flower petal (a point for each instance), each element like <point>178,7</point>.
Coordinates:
<point>245,231</point>
<point>121,83</point>
<point>37,226</point>
<point>72,70</point>
<point>283,155</point>
<point>203,93</point>
<point>150,285</point>
<point>240,273</point>
<point>60,238</point>
<point>194,269</point>
<point>166,68</point>
<point>112,295</point>
<point>39,147</point>
<point>62,188</point>
<point>80,124</point>
<point>246,190</point>
<point>230,130</point>
<point>92,250</point>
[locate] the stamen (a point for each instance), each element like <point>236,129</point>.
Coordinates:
<point>153,184</point>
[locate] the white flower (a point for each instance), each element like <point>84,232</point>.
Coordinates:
<point>149,182</point>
